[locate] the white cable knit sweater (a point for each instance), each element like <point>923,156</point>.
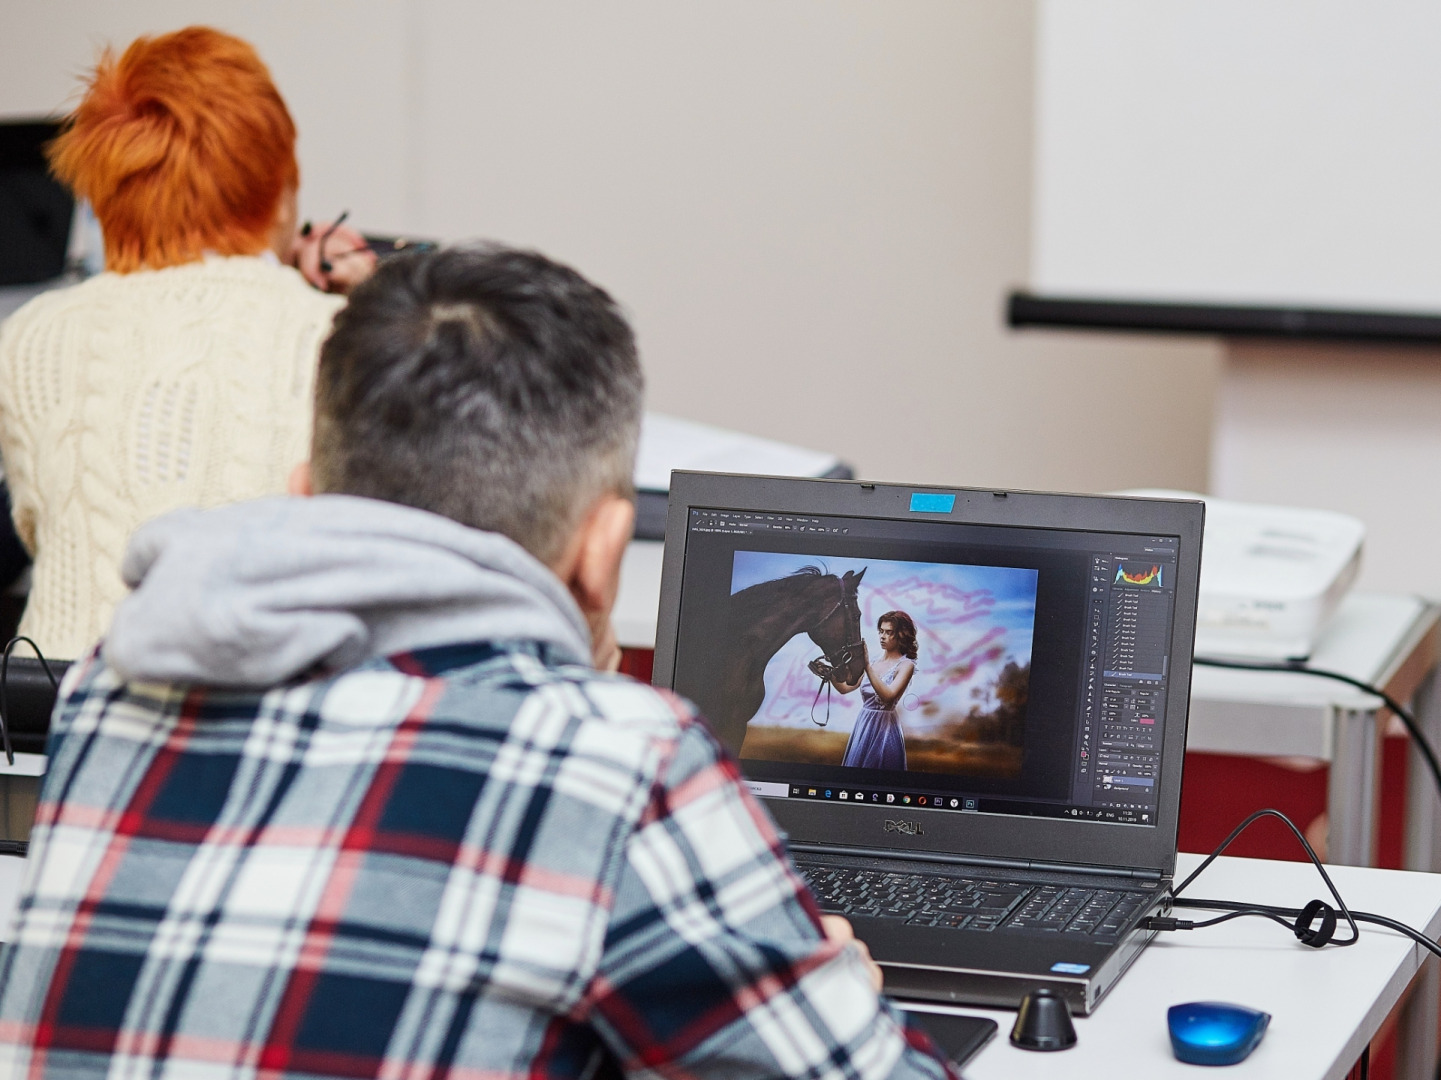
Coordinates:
<point>133,394</point>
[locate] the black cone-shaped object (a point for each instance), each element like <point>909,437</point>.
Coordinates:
<point>1043,1023</point>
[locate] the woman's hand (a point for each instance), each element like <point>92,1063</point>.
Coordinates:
<point>844,687</point>
<point>821,669</point>
<point>890,693</point>
<point>350,260</point>
<point>847,688</point>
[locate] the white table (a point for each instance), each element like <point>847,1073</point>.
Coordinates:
<point>1326,1005</point>
<point>1389,641</point>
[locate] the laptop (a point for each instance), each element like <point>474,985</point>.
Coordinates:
<point>966,709</point>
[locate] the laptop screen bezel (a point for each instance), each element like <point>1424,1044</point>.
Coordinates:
<point>1008,838</point>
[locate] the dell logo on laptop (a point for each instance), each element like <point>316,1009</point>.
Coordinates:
<point>909,828</point>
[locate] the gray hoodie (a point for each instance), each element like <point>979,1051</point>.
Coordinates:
<point>253,594</point>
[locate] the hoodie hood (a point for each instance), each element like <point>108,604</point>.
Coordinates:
<point>256,593</point>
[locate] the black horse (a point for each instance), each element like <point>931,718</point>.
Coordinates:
<point>763,618</point>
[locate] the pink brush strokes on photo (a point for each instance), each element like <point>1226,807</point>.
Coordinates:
<point>963,645</point>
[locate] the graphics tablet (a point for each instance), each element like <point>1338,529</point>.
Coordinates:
<point>959,1037</point>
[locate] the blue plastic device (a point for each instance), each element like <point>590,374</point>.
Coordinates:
<point>923,502</point>
<point>1214,1032</point>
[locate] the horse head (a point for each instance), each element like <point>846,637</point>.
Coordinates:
<point>838,632</point>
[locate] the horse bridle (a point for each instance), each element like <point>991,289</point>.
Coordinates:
<point>825,665</point>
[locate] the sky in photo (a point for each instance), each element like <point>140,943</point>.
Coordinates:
<point>970,621</point>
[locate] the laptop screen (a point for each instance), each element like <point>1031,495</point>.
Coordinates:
<point>930,664</point>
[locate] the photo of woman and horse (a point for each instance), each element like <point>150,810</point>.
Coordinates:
<point>876,663</point>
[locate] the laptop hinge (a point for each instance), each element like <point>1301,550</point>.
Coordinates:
<point>919,856</point>
<point>978,860</point>
<point>1106,871</point>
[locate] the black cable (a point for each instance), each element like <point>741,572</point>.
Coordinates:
<point>1264,909</point>
<point>1299,667</point>
<point>1401,928</point>
<point>5,686</point>
<point>1170,922</point>
<point>1283,913</point>
<point>1290,918</point>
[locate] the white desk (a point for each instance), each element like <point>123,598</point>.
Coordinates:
<point>1389,641</point>
<point>1325,1006</point>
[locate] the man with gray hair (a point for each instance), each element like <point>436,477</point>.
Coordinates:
<point>343,792</point>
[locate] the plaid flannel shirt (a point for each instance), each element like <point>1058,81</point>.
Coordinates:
<point>468,862</point>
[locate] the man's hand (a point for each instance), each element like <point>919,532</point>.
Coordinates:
<point>349,259</point>
<point>838,928</point>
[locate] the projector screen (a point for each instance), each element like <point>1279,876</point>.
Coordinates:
<point>1256,152</point>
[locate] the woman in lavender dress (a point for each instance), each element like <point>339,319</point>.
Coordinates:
<point>877,741</point>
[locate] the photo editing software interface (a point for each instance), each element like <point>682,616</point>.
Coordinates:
<point>932,664</point>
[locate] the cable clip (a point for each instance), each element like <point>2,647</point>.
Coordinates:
<point>1315,937</point>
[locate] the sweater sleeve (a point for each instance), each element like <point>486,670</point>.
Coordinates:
<point>16,433</point>
<point>714,963</point>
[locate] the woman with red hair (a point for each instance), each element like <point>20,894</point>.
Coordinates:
<point>877,740</point>
<point>182,375</point>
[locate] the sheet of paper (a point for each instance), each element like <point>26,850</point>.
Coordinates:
<point>667,443</point>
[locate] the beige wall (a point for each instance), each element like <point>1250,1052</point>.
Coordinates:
<point>1349,428</point>
<point>812,208</point>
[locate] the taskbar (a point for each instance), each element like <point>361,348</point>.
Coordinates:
<point>1122,814</point>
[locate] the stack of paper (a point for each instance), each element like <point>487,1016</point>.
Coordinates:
<point>668,443</point>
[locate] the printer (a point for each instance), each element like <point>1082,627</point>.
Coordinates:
<point>1271,576</point>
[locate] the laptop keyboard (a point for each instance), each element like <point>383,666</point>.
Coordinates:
<point>982,904</point>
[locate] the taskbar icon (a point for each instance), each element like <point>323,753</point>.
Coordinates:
<point>927,800</point>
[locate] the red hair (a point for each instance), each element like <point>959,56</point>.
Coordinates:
<point>904,627</point>
<point>182,146</point>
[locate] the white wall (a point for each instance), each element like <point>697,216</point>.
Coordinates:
<point>812,209</point>
<point>1252,151</point>
<point>1342,428</point>
<point>343,66</point>
<point>1265,151</point>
